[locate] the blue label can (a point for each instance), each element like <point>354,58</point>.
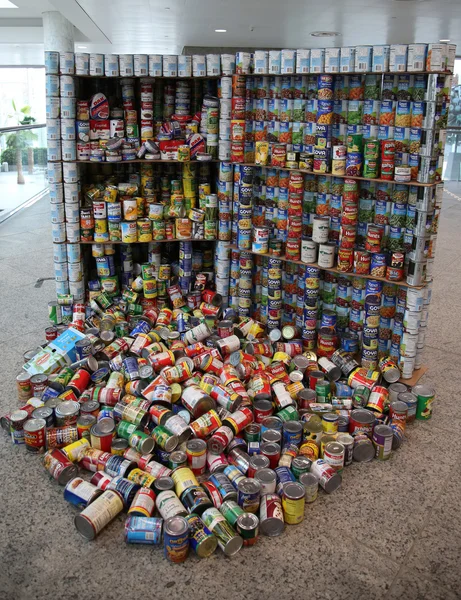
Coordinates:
<point>143,530</point>
<point>176,539</point>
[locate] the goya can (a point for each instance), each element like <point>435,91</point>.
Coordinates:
<point>176,539</point>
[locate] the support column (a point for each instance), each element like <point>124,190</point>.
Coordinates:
<point>58,32</point>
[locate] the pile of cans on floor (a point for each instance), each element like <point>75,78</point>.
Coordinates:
<point>203,438</point>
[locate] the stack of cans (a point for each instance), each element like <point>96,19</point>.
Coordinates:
<point>225,108</point>
<point>234,279</point>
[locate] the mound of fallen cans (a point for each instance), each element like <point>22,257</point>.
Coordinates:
<point>206,437</point>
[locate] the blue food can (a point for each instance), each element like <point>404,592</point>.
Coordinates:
<point>80,492</point>
<point>350,342</point>
<point>142,326</point>
<point>224,486</point>
<point>126,488</point>
<point>284,475</point>
<point>292,433</point>
<point>143,530</point>
<point>130,364</point>
<point>342,389</point>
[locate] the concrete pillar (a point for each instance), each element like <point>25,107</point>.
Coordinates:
<point>58,32</point>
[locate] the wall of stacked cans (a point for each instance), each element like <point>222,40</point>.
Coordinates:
<point>330,163</point>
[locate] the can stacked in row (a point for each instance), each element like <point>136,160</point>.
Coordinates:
<point>225,113</point>
<point>378,126</point>
<point>334,311</point>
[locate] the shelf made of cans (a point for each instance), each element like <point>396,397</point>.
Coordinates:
<point>332,269</point>
<point>376,179</point>
<point>89,243</point>
<point>136,160</point>
<point>353,73</point>
<point>177,77</point>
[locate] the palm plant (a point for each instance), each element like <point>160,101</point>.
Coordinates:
<point>20,140</point>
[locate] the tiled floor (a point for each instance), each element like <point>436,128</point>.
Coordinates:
<point>391,531</point>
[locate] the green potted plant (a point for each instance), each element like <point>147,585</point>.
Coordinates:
<point>20,140</point>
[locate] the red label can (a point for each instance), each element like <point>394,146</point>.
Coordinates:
<point>80,381</point>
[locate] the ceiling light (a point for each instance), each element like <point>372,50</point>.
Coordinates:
<point>7,4</point>
<point>220,30</point>
<point>444,40</point>
<point>82,47</point>
<point>325,33</point>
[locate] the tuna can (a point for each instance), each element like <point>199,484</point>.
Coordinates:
<point>382,440</point>
<point>142,529</point>
<point>98,514</point>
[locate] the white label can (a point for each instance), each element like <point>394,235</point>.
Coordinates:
<point>68,129</point>
<point>68,106</point>
<point>54,173</point>
<point>111,68</point>
<point>52,108</point>
<point>326,256</point>
<point>71,193</point>
<point>74,253</point>
<point>60,253</point>
<point>53,129</point>
<point>51,63</point>
<point>169,505</point>
<point>320,229</point>
<point>170,65</point>
<point>62,287</point>
<point>308,251</point>
<point>58,232</point>
<point>408,343</point>
<point>67,86</point>
<point>73,232</point>
<point>77,289</point>
<point>56,192</point>
<point>72,213</point>
<point>126,65</point>
<point>275,62</point>
<point>54,150</point>
<point>70,173</point>
<point>198,65</point>
<point>66,63</point>
<point>82,63</point>
<point>303,59</point>
<point>75,271</point>
<point>69,150</point>
<point>60,272</point>
<point>52,85</point>
<point>155,65</point>
<point>261,62</point>
<point>228,64</point>
<point>96,64</point>
<point>141,65</point>
<point>184,65</point>
<point>213,64</point>
<point>57,213</point>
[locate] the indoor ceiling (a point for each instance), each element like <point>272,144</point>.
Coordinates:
<point>167,26</point>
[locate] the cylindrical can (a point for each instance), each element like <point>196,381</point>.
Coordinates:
<point>98,514</point>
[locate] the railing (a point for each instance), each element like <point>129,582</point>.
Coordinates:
<point>23,166</point>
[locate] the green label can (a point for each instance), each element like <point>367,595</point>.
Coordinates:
<point>125,430</point>
<point>323,391</point>
<point>425,395</point>
<point>289,413</point>
<point>231,511</point>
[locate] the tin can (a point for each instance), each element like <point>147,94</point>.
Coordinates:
<point>293,501</point>
<point>248,494</point>
<point>382,440</point>
<point>328,478</point>
<point>142,529</point>
<point>169,505</point>
<point>59,466</point>
<point>98,514</point>
<point>202,541</point>
<point>228,540</point>
<point>80,492</point>
<point>34,435</point>
<point>271,515</point>
<point>311,486</point>
<point>76,450</point>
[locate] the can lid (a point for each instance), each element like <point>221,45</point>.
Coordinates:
<point>308,479</point>
<point>265,475</point>
<point>233,546</point>
<point>34,424</point>
<point>163,484</point>
<point>176,526</point>
<point>247,522</point>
